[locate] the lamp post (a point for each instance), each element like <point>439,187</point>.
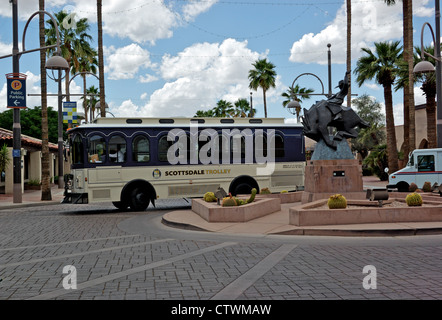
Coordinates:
<point>426,66</point>
<point>294,105</point>
<point>16,54</point>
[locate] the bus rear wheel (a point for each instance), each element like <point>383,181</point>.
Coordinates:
<point>139,199</point>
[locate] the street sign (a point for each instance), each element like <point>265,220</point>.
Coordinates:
<point>70,112</point>
<point>16,90</point>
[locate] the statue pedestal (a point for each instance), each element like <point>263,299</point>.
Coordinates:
<point>324,178</point>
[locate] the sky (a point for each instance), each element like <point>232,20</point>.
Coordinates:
<point>171,58</point>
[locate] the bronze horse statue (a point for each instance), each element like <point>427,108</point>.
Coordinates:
<point>326,113</point>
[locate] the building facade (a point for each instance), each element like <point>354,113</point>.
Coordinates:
<point>30,159</point>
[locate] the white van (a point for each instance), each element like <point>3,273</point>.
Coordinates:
<point>423,165</point>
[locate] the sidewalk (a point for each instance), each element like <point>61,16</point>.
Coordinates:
<point>276,223</point>
<point>31,198</point>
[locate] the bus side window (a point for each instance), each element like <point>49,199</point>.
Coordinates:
<point>117,149</point>
<point>279,146</point>
<point>163,146</point>
<point>77,150</point>
<point>140,149</point>
<point>97,149</point>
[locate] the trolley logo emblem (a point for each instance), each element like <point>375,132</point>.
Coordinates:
<point>156,174</point>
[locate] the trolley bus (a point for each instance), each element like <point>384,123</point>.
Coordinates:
<point>131,162</point>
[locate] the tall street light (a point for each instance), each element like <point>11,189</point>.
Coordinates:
<point>50,64</point>
<point>294,105</point>
<point>426,66</point>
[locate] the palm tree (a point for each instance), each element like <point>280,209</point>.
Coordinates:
<point>74,42</point>
<point>92,93</point>
<point>242,109</point>
<point>381,65</point>
<point>223,109</point>
<point>100,58</point>
<point>45,172</point>
<point>203,114</point>
<point>263,76</point>
<point>409,109</point>
<point>86,64</point>
<point>296,93</point>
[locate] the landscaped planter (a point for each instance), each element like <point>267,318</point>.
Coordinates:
<point>212,212</point>
<point>287,197</point>
<point>363,211</point>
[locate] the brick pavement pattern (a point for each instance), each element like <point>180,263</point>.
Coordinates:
<point>123,256</point>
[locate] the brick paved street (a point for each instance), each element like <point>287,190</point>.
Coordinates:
<point>132,255</point>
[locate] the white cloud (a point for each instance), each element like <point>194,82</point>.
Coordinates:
<point>398,113</point>
<point>373,86</point>
<point>199,76</point>
<point>419,97</point>
<point>125,62</point>
<point>139,20</point>
<point>147,78</point>
<point>371,22</point>
<point>194,8</point>
<point>5,48</point>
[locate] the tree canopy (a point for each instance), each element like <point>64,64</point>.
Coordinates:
<point>30,120</point>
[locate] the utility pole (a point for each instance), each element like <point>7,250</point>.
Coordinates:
<point>16,128</point>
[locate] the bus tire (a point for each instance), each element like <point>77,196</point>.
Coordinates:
<point>402,186</point>
<point>121,205</point>
<point>138,194</point>
<point>139,199</point>
<point>243,185</point>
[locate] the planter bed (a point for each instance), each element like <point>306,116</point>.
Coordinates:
<point>363,211</point>
<point>212,212</point>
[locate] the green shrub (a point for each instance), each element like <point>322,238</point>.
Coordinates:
<point>252,196</point>
<point>229,202</point>
<point>414,199</point>
<point>337,201</point>
<point>265,191</point>
<point>209,197</point>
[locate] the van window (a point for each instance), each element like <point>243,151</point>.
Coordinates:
<point>425,163</point>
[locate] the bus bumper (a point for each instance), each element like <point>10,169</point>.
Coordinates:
<point>75,198</point>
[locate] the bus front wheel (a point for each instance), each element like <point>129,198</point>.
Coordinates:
<point>139,200</point>
<point>120,205</point>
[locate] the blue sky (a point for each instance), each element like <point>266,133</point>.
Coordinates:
<point>172,58</point>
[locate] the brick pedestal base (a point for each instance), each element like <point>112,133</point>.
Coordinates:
<point>324,178</point>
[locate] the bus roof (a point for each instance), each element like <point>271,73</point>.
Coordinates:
<point>176,122</point>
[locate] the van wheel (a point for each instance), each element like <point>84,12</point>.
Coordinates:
<point>139,200</point>
<point>403,187</point>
